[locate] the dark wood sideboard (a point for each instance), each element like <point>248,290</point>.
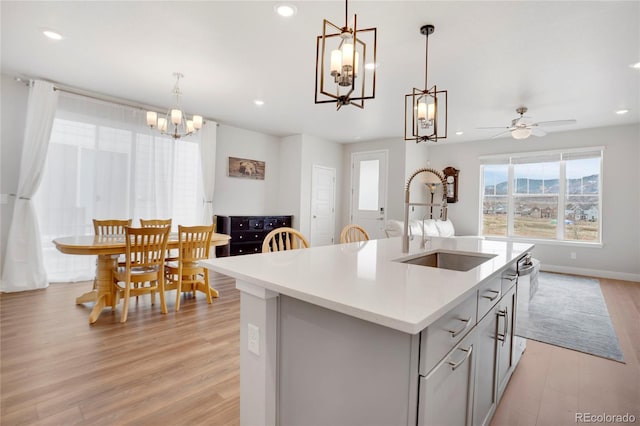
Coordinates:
<point>247,232</point>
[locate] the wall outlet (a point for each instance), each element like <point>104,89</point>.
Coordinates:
<point>253,339</point>
<point>573,255</point>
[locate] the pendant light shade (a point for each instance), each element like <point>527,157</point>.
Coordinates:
<point>341,56</point>
<point>425,111</point>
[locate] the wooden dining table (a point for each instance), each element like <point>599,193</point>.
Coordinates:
<point>108,248</point>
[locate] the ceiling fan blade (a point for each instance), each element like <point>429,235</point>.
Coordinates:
<point>554,123</point>
<point>501,133</point>
<point>537,132</point>
<point>498,127</point>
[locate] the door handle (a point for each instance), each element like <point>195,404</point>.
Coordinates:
<point>510,277</point>
<point>455,333</point>
<point>455,365</point>
<point>504,313</point>
<point>495,296</point>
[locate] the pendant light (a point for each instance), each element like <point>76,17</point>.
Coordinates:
<point>175,123</point>
<point>425,110</point>
<point>345,63</point>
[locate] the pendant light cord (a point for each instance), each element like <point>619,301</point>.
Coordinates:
<point>426,62</point>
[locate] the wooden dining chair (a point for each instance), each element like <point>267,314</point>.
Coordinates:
<point>284,239</point>
<point>144,263</point>
<point>110,226</point>
<point>352,233</point>
<point>113,227</point>
<point>187,275</point>
<point>155,223</point>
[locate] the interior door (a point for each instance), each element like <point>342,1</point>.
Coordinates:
<point>323,190</point>
<point>369,191</point>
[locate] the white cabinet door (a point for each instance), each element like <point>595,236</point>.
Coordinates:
<point>485,395</point>
<point>506,314</point>
<point>446,394</point>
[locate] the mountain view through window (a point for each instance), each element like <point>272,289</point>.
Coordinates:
<point>557,198</point>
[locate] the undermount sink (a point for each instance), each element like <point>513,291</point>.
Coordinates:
<point>448,260</point>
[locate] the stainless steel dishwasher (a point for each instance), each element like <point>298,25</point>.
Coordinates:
<point>528,270</point>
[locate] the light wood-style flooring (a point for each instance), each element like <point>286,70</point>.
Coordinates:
<point>183,368</point>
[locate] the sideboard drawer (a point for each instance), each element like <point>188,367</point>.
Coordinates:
<point>246,248</point>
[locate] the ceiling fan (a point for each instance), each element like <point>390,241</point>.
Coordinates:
<point>522,128</point>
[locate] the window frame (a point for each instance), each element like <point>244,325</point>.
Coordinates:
<point>517,158</point>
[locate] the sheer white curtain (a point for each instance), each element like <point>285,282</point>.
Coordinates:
<point>105,163</point>
<point>23,267</point>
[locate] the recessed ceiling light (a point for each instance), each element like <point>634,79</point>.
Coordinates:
<point>285,10</point>
<point>635,66</point>
<point>258,102</point>
<point>52,34</point>
<point>460,133</point>
<point>622,111</point>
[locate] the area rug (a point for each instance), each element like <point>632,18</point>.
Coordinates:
<point>569,312</point>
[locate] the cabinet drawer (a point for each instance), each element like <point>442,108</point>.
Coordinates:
<point>509,279</point>
<point>248,236</point>
<point>245,248</point>
<point>488,295</point>
<point>446,394</point>
<point>441,336</point>
<point>239,223</point>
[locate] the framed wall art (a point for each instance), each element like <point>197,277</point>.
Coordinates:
<point>245,168</point>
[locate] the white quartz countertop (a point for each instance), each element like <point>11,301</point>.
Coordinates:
<point>363,279</point>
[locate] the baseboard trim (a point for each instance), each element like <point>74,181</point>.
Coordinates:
<point>590,272</point>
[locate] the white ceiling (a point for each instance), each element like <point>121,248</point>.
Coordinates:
<point>563,60</point>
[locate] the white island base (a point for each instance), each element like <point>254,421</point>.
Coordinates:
<point>365,349</point>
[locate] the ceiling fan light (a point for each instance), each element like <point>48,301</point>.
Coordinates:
<point>521,133</point>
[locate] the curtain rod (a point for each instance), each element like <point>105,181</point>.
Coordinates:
<point>101,97</point>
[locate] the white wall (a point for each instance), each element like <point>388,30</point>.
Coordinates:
<point>619,257</point>
<point>13,111</point>
<point>289,193</point>
<point>240,196</point>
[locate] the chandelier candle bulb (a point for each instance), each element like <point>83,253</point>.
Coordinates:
<point>336,62</point>
<point>190,128</point>
<point>152,118</point>
<point>176,116</point>
<point>422,111</point>
<point>431,113</point>
<point>197,122</point>
<point>162,124</point>
<point>347,56</point>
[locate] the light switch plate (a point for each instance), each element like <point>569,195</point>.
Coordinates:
<point>253,338</point>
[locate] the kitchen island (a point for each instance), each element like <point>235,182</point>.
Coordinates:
<point>348,334</point>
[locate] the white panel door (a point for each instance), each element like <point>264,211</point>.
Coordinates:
<point>369,191</point>
<point>323,198</point>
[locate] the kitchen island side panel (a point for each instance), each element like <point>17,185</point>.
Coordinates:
<point>340,370</point>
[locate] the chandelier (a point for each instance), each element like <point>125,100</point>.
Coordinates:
<point>345,73</point>
<point>425,111</point>
<point>175,123</point>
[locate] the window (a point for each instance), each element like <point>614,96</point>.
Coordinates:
<point>103,162</point>
<point>548,195</point>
